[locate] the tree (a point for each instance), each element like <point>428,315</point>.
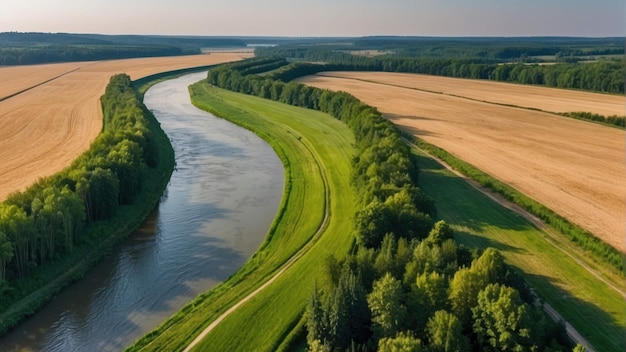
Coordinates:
<point>18,227</point>
<point>464,289</point>
<point>6,253</point>
<point>445,333</point>
<point>316,324</point>
<point>402,342</point>
<point>440,233</point>
<point>491,265</point>
<point>386,302</point>
<point>501,320</point>
<point>372,224</point>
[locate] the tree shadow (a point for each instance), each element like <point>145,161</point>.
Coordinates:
<point>602,330</point>
<point>412,129</point>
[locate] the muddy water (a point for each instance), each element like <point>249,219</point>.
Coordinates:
<point>216,210</point>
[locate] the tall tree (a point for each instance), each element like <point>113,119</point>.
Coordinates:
<point>445,333</point>
<point>386,302</point>
<point>501,320</point>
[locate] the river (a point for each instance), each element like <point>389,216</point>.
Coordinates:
<point>215,212</point>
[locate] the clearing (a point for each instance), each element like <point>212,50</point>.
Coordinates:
<point>43,129</point>
<point>573,167</point>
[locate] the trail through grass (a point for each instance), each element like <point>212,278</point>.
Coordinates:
<point>311,145</point>
<point>595,310</point>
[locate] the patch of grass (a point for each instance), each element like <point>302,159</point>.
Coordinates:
<point>313,147</point>
<point>592,307</point>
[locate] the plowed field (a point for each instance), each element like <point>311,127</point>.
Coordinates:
<point>43,129</point>
<point>576,168</point>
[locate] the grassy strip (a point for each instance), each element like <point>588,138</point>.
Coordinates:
<point>309,143</point>
<point>596,310</point>
<point>101,237</point>
<point>600,252</point>
<point>612,121</point>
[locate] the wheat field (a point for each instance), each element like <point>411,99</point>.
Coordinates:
<point>574,167</point>
<point>44,128</point>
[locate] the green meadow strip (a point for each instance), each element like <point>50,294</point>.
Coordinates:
<point>599,250</point>
<point>592,307</point>
<point>313,147</point>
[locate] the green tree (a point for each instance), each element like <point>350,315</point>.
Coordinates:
<point>402,342</point>
<point>386,302</point>
<point>445,333</point>
<point>6,254</point>
<point>440,232</point>
<point>20,230</point>
<point>501,320</point>
<point>463,296</point>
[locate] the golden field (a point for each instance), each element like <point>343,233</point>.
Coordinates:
<point>43,129</point>
<point>576,168</point>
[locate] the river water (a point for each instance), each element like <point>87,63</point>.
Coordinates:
<point>215,212</point>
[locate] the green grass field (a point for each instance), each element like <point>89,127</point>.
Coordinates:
<point>316,150</point>
<point>595,310</point>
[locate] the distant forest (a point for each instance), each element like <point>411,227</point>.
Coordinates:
<point>500,61</point>
<point>36,48</point>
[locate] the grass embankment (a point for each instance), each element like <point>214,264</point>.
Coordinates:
<point>316,151</point>
<point>592,307</point>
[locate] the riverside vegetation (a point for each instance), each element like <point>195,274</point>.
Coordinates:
<point>393,226</point>
<point>54,231</point>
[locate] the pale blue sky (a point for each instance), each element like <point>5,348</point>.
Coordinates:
<point>319,17</point>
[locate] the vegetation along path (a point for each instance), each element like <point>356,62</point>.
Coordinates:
<point>315,220</point>
<point>481,220</point>
<point>286,266</point>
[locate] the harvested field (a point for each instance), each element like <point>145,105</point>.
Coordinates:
<point>574,167</point>
<point>560,100</point>
<point>42,130</point>
<point>14,79</point>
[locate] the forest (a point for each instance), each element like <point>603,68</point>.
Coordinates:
<point>606,76</point>
<point>36,48</point>
<point>68,215</point>
<point>402,260</point>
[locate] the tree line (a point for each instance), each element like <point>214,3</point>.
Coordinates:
<point>69,211</point>
<point>384,170</point>
<point>427,295</point>
<point>407,286</point>
<point>66,53</point>
<point>606,76</point>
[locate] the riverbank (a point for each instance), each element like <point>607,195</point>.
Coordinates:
<point>31,293</point>
<point>311,144</point>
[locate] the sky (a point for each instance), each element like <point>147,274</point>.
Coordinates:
<point>319,18</point>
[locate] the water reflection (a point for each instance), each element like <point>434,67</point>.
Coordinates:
<point>219,204</point>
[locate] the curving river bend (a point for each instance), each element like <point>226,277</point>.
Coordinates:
<point>215,212</point>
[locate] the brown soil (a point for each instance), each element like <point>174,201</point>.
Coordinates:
<point>43,129</point>
<point>574,167</point>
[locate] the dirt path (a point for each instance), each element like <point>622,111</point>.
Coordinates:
<point>54,112</point>
<point>526,215</point>
<point>322,227</point>
<point>576,168</point>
